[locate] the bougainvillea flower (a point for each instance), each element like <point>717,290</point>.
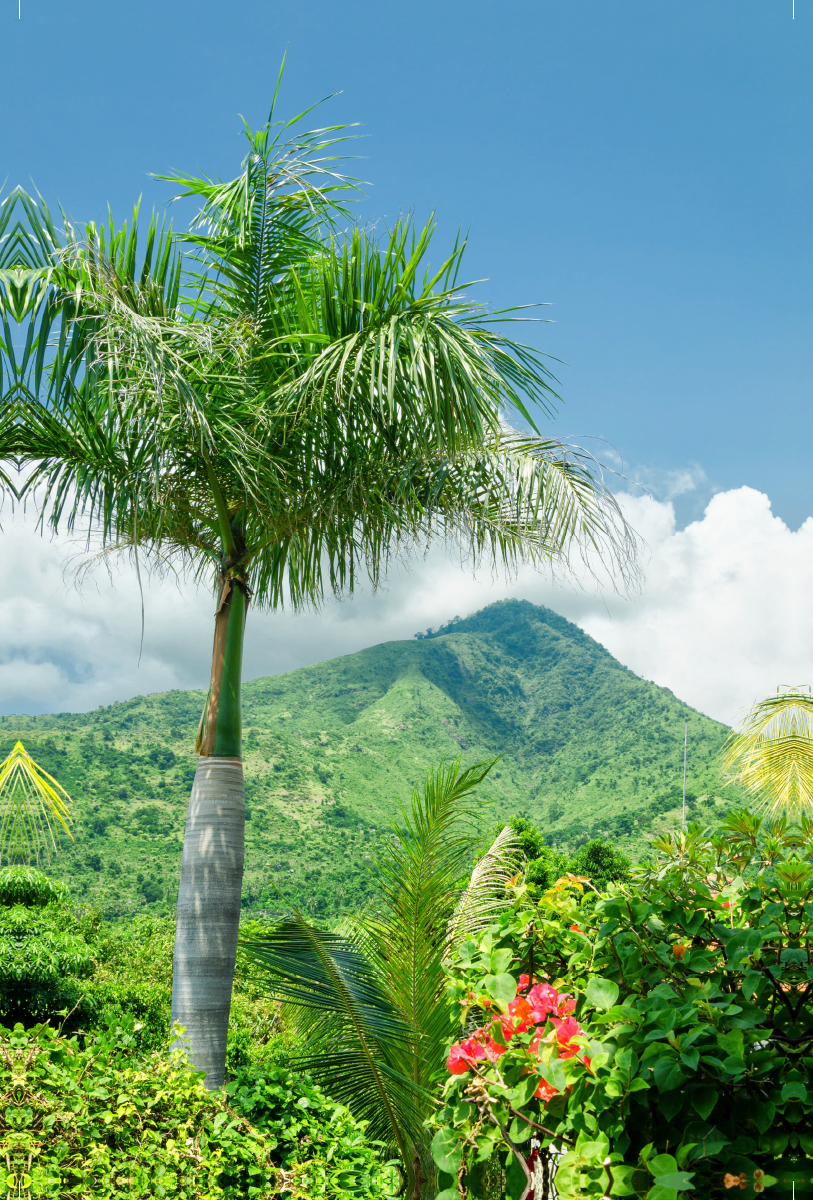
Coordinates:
<point>543,999</point>
<point>567,1004</point>
<point>545,1091</point>
<point>520,1011</point>
<point>492,1049</point>
<point>472,1047</point>
<point>566,1029</point>
<point>457,1063</point>
<point>576,928</point>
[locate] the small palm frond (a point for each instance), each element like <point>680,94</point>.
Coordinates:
<point>485,895</point>
<point>359,1028</point>
<point>772,756</point>
<point>422,871</point>
<point>34,809</point>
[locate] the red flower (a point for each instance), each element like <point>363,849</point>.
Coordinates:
<point>520,1010</point>
<point>576,928</point>
<point>543,999</point>
<point>493,1050</point>
<point>545,1091</point>
<point>457,1063</point>
<point>566,1029</point>
<point>523,983</point>
<point>472,1047</point>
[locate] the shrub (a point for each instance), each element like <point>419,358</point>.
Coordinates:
<point>660,1034</point>
<point>321,1149</point>
<point>100,1120</point>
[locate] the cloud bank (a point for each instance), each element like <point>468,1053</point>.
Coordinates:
<point>723,617</point>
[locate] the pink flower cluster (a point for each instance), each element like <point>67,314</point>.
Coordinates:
<point>531,1010</point>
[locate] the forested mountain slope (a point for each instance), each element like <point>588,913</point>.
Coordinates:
<point>588,749</point>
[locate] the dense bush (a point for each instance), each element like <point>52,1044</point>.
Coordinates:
<point>681,1061</point>
<point>597,859</point>
<point>44,957</point>
<point>100,1120</point>
<point>321,1149</point>
<point>64,963</point>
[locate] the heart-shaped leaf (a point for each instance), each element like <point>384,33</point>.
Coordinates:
<point>601,993</point>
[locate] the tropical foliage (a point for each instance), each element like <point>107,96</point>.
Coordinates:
<point>772,756</point>
<point>95,1118</point>
<point>370,1001</point>
<point>678,1062</point>
<point>35,811</point>
<point>274,407</point>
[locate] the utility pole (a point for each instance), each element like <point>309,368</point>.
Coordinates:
<point>685,749</point>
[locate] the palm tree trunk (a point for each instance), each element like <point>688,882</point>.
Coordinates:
<point>208,911</point>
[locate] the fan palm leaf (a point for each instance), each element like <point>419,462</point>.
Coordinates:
<point>35,810</point>
<point>772,755</point>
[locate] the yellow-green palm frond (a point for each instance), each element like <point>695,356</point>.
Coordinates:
<point>772,755</point>
<point>34,809</point>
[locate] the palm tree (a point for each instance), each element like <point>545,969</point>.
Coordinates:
<point>370,1000</point>
<point>772,755</point>
<point>275,410</point>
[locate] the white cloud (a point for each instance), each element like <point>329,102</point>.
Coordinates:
<point>669,484</point>
<point>723,616</point>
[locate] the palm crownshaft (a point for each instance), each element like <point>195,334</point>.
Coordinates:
<point>275,411</point>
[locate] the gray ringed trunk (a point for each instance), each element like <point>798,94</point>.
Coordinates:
<point>208,914</point>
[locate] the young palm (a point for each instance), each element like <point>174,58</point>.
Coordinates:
<point>276,412</point>
<point>370,1000</point>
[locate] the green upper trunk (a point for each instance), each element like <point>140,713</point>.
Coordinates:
<point>229,728</point>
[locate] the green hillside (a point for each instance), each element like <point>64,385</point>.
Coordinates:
<point>588,749</point>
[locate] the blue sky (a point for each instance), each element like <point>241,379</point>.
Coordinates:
<point>644,167</point>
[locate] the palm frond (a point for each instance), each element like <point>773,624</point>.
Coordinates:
<point>484,897</point>
<point>772,755</point>
<point>421,870</point>
<point>34,809</point>
<point>359,1027</point>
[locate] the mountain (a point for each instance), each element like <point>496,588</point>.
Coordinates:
<point>587,749</point>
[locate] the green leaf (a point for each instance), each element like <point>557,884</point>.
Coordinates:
<point>521,1094</point>
<point>446,1150</point>
<point>762,1113</point>
<point>681,1181</point>
<point>668,1074</point>
<point>601,993</point>
<point>703,1100</point>
<point>501,961</point>
<point>662,1164</point>
<point>516,1183</point>
<point>520,1130</point>
<point>670,1103</point>
<point>502,988</point>
<point>731,1043</point>
<point>658,1192</point>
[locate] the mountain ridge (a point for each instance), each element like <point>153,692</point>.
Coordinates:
<point>587,749</point>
